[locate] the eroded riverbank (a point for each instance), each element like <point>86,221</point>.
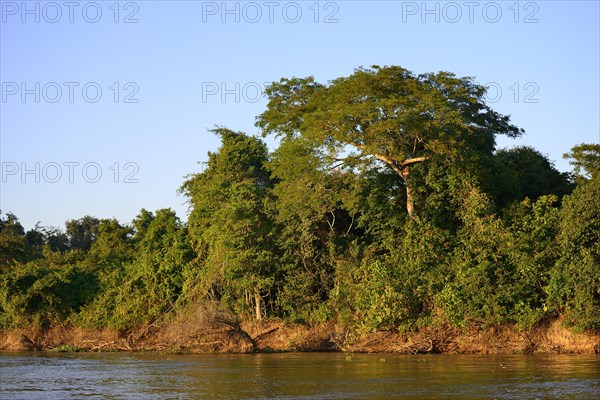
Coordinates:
<point>190,336</point>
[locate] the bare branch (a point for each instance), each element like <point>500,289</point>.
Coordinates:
<point>414,160</point>
<point>392,163</point>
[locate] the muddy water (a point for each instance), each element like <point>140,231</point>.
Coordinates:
<point>297,376</point>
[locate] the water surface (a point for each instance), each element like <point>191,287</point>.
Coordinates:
<point>297,376</point>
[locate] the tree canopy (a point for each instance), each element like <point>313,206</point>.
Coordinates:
<point>585,158</point>
<point>385,205</point>
<point>388,115</point>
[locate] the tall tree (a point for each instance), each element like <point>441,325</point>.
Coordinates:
<point>388,115</point>
<point>574,290</point>
<point>310,223</point>
<point>153,281</point>
<point>229,222</point>
<point>585,158</point>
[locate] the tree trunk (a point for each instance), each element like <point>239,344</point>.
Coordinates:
<point>410,200</point>
<point>257,304</point>
<point>402,169</point>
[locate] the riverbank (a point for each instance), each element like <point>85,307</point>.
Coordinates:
<point>225,336</point>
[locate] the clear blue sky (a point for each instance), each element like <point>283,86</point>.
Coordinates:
<point>174,58</point>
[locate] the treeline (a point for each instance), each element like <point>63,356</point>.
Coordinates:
<point>386,205</point>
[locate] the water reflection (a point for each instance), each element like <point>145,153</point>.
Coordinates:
<point>296,376</point>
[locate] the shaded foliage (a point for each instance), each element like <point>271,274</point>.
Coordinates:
<point>526,173</point>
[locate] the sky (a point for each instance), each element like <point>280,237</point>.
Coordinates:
<point>105,105</point>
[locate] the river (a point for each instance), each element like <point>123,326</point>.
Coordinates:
<point>297,376</point>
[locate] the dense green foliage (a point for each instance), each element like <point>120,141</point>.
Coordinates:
<point>385,206</point>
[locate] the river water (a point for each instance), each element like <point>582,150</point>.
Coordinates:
<point>297,376</point>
